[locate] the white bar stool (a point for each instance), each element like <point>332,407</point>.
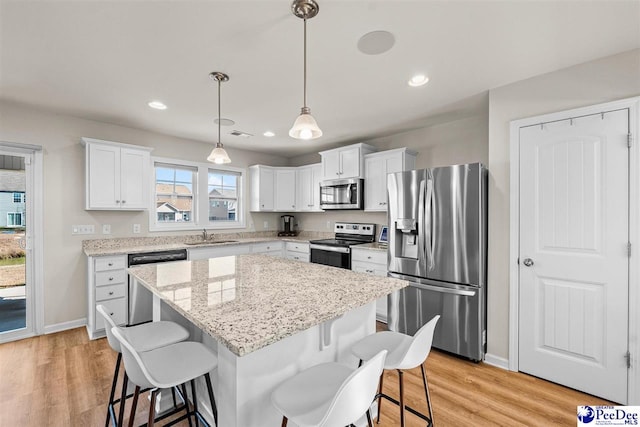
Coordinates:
<point>329,394</point>
<point>144,337</point>
<point>404,352</point>
<point>168,367</point>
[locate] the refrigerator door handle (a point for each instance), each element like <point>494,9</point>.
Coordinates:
<point>429,227</point>
<point>421,223</point>
<point>443,289</point>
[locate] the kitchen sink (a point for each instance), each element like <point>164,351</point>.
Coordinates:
<point>209,242</point>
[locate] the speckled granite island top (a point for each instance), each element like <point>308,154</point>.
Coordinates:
<point>247,302</point>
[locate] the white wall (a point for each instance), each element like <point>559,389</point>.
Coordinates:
<point>59,135</point>
<point>603,80</point>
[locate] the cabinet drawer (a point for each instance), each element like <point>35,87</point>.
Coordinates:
<point>111,292</point>
<point>298,257</point>
<point>365,255</point>
<point>110,263</point>
<point>117,308</point>
<point>260,248</point>
<point>298,247</point>
<point>110,277</point>
<point>369,268</point>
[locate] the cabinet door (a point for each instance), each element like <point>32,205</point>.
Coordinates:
<point>304,195</point>
<point>350,163</point>
<point>285,190</point>
<point>103,177</point>
<point>331,165</point>
<point>266,189</point>
<point>375,185</point>
<point>316,178</point>
<point>134,167</point>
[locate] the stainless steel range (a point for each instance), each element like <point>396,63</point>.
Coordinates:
<point>337,252</point>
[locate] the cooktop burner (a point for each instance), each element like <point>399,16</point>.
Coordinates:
<point>337,242</point>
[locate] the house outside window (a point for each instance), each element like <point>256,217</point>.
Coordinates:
<point>15,219</point>
<point>193,196</point>
<point>174,193</point>
<point>18,197</point>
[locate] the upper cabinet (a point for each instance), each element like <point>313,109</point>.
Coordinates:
<point>345,162</point>
<point>308,188</point>
<point>117,175</point>
<point>285,189</point>
<point>376,168</point>
<point>262,188</point>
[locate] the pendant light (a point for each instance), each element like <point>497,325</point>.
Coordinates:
<point>219,154</point>
<point>305,126</point>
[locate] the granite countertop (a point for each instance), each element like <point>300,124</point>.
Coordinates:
<point>247,302</point>
<point>132,245</point>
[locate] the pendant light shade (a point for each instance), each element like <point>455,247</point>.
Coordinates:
<point>219,155</point>
<point>305,126</point>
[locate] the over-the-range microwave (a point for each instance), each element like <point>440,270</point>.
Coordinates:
<point>342,194</point>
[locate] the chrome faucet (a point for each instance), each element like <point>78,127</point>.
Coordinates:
<point>204,234</point>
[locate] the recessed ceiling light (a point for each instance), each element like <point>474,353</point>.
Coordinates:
<point>269,134</point>
<point>157,105</point>
<point>418,80</point>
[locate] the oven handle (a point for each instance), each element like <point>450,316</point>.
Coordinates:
<point>329,248</point>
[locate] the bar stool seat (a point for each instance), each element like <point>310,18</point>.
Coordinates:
<point>329,394</point>
<point>168,367</point>
<point>404,352</point>
<point>143,337</point>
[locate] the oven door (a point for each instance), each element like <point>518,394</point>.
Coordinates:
<point>334,256</point>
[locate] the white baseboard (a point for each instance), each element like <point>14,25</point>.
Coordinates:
<point>59,327</point>
<point>498,362</point>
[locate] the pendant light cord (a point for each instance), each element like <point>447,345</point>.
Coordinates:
<point>305,63</point>
<point>219,114</point>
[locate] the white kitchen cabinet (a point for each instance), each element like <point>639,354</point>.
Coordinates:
<point>308,188</point>
<point>298,251</point>
<point>262,188</point>
<point>285,189</point>
<point>107,283</point>
<point>345,162</point>
<point>274,248</point>
<point>374,262</point>
<point>206,252</point>
<point>117,175</point>
<point>376,168</point>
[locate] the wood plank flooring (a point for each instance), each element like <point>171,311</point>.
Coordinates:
<point>63,379</point>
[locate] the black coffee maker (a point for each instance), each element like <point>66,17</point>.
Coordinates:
<point>287,226</point>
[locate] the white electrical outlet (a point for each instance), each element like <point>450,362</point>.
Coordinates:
<point>83,229</point>
<point>106,228</point>
<point>328,225</point>
<point>136,228</point>
<point>266,225</point>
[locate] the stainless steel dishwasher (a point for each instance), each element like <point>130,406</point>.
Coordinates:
<point>140,298</point>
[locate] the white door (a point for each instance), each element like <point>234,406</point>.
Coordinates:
<point>573,260</point>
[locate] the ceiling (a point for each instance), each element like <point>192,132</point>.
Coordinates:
<point>105,60</point>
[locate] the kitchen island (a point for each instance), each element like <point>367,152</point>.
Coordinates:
<point>266,318</point>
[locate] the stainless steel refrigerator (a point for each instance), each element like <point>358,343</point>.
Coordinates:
<point>438,241</point>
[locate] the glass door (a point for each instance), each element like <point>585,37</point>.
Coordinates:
<point>16,314</point>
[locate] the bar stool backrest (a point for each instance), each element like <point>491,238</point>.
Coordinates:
<point>356,393</point>
<point>109,324</point>
<point>419,349</point>
<point>133,364</point>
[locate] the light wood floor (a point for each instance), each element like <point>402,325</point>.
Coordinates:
<point>63,379</point>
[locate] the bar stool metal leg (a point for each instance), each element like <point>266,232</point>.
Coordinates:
<point>186,403</point>
<point>401,383</point>
<point>380,396</point>
<point>195,402</point>
<point>284,422</point>
<point>123,398</point>
<point>152,407</point>
<point>427,394</point>
<point>110,411</point>
<point>134,405</point>
<point>212,398</point>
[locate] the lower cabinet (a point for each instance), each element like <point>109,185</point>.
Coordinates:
<point>218,251</point>
<point>374,262</point>
<point>107,285</point>
<point>274,248</point>
<point>297,251</point>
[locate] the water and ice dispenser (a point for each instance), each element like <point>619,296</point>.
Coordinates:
<point>406,237</point>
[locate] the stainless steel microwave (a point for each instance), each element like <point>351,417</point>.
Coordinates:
<point>342,194</point>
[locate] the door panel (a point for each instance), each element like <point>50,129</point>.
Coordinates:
<point>573,253</point>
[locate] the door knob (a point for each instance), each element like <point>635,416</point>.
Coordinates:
<point>528,262</point>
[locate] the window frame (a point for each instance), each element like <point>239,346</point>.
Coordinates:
<point>200,192</point>
<point>22,220</point>
<point>20,197</point>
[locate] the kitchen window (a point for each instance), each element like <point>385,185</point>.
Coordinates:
<point>15,219</point>
<point>193,196</point>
